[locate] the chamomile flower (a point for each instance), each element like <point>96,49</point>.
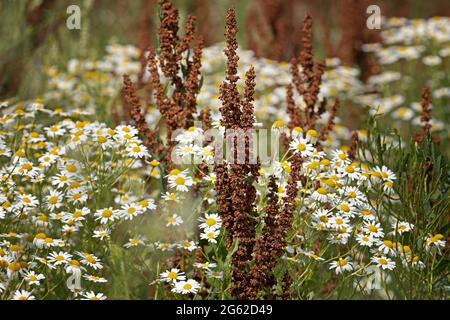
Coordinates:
<point>76,215</point>
<point>137,151</point>
<point>214,274</point>
<point>74,267</point>
<point>320,194</point>
<point>339,222</point>
<point>104,140</point>
<point>186,287</point>
<point>413,261</point>
<point>435,241</point>
<point>23,295</point>
<point>164,246</point>
<point>174,220</point>
<point>32,278</point>
<point>387,247</point>
<point>102,233</point>
<point>147,204</point>
<point>374,229</point>
<point>170,196</point>
<point>338,238</point>
<point>346,209</point>
<point>402,226</point>
<point>210,221</point>
<point>172,275</point>
<point>350,171</point>
<point>194,132</point>
<point>60,180</point>
<point>210,235</point>
<point>383,262</point>
<point>77,193</point>
<point>134,242</point>
<point>365,240</point>
<point>188,245</point>
<point>59,258</point>
<point>383,173</point>
<point>205,265</point>
<point>341,265</point>
<point>312,135</point>
<point>90,260</point>
<point>54,131</point>
<point>180,180</point>
<point>129,211</point>
<point>28,200</point>
<point>366,213</point>
<point>353,195</point>
<point>310,254</point>
<point>339,157</point>
<point>54,200</point>
<point>126,132</point>
<point>91,295</point>
<point>94,279</point>
<point>26,168</point>
<point>322,218</point>
<point>106,215</point>
<point>301,146</point>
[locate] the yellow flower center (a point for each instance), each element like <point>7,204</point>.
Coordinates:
<point>342,262</point>
<point>74,263</point>
<point>71,168</point>
<point>53,200</point>
<point>171,219</point>
<point>107,213</point>
<point>388,243</point>
<point>48,240</point>
<point>40,236</point>
<point>180,180</point>
<point>143,203</point>
<point>187,286</point>
<point>349,169</point>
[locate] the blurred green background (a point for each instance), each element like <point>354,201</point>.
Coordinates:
<point>33,33</point>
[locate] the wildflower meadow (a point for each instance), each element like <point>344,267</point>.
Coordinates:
<point>216,150</point>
